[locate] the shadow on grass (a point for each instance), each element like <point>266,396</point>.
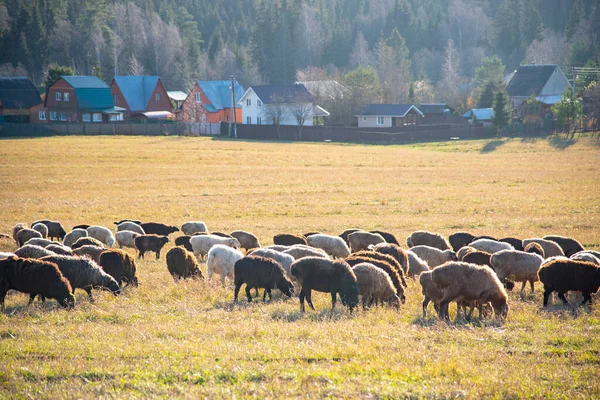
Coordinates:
<point>325,315</point>
<point>460,323</point>
<point>491,146</point>
<point>560,142</point>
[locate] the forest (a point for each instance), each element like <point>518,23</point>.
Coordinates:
<point>393,50</point>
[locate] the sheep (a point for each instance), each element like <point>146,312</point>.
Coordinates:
<point>221,260</point>
<point>416,265</point>
<point>130,226</point>
<point>150,242</point>
<point>191,227</point>
<point>155,228</point>
<point>86,241</point>
<point>333,245</point>
<point>299,251</point>
<point>490,246</point>
<point>307,234</point>
<point>551,249</point>
<point>33,251</point>
<point>85,274</point>
<point>375,285</point>
<point>81,226</point>
<point>463,251</point>
<point>486,237</point>
<point>120,265</point>
<point>90,251</point>
<point>562,275</point>
<point>59,249</point>
<point>382,257</point>
<point>102,234</point>
<point>460,239</point>
<point>34,277</point>
<point>568,245</point>
<point>201,244</point>
<point>284,259</point>
<point>519,265</point>
<point>279,247</point>
<point>389,237</point>
<point>220,234</point>
<point>72,236</point>
<point>385,267</point>
<point>182,264</point>
<point>322,275</point>
<point>391,249</point>
<point>469,282</point>
<point>428,239</point>
<point>135,221</point>
<point>514,242</point>
<point>184,241</point>
<point>247,240</point>
<point>42,229</point>
<point>535,248</point>
<point>260,272</point>
<point>40,242</point>
<point>344,235</point>
<point>286,239</point>
<point>55,228</point>
<point>432,255</point>
<point>126,238</point>
<point>431,292</point>
<point>479,258</point>
<point>16,230</point>
<point>4,255</point>
<point>25,234</point>
<point>586,256</point>
<point>361,240</point>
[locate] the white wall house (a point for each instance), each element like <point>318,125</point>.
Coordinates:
<point>388,115</point>
<point>545,81</point>
<point>262,104</point>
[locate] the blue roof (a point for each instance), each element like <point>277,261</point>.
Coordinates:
<point>137,90</point>
<point>388,110</point>
<point>296,93</point>
<point>480,114</point>
<point>219,94</point>
<point>92,93</point>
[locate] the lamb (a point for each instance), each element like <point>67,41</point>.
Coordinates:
<point>127,238</point>
<point>42,229</point>
<point>382,257</point>
<point>460,239</point>
<point>33,251</point>
<point>416,265</point>
<point>563,275</point>
<point>514,242</point>
<point>120,265</point>
<point>535,248</point>
<point>299,251</point>
<point>130,226</point>
<point>551,249</point>
<point>395,251</point>
<point>16,230</point>
<point>25,234</point>
<point>344,235</point>
<point>135,221</point>
<point>55,229</point>
<point>432,255</point>
<point>333,245</point>
<point>260,272</point>
<point>90,251</point>
<point>182,264</point>
<point>150,242</point>
<point>201,244</point>
<point>40,242</point>
<point>385,267</point>
<point>490,246</point>
<point>427,239</point>
<point>221,260</point>
<point>463,281</point>
<point>155,228</point>
<point>73,236</point>
<point>568,245</point>
<point>320,274</point>
<point>586,256</point>
<point>86,241</point>
<point>58,249</point>
<point>184,241</point>
<point>85,274</point>
<point>361,240</point>
<point>247,240</point>
<point>375,285</point>
<point>519,265</point>
<point>191,227</point>
<point>4,255</point>
<point>34,277</point>
<point>284,259</point>
<point>389,237</point>
<point>286,239</point>
<point>102,234</point>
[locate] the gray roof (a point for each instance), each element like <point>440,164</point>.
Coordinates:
<point>435,108</point>
<point>530,79</point>
<point>295,93</point>
<point>387,110</point>
<point>18,92</point>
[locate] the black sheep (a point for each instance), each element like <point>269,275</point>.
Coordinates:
<point>184,241</point>
<point>135,221</point>
<point>485,237</point>
<point>322,275</point>
<point>389,237</point>
<point>150,242</point>
<point>34,277</point>
<point>383,265</point>
<point>182,264</point>
<point>514,242</point>
<point>307,234</point>
<point>120,265</point>
<point>82,226</point>
<point>460,239</point>
<point>569,245</point>
<point>86,241</point>
<point>562,275</point>
<point>287,239</point>
<point>260,272</point>
<point>155,228</point>
<point>344,235</point>
<point>55,229</point>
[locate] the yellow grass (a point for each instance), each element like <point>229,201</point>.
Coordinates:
<point>188,340</point>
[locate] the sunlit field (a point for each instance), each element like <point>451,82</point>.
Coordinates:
<point>188,340</point>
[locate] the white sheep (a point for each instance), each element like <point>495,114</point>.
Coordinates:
<point>490,246</point>
<point>299,251</point>
<point>416,265</point>
<point>191,227</point>
<point>40,242</point>
<point>335,246</point>
<point>361,240</point>
<point>201,244</point>
<point>518,266</point>
<point>102,234</point>
<point>130,226</point>
<point>221,260</point>
<point>277,247</point>
<point>73,236</point>
<point>126,238</point>
<point>33,251</point>
<point>375,284</point>
<point>551,249</point>
<point>284,259</point>
<point>427,239</point>
<point>586,256</point>
<point>432,255</point>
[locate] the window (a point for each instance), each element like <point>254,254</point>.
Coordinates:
<point>157,97</point>
<point>42,115</point>
<point>97,117</point>
<point>249,120</point>
<point>364,118</point>
<point>67,96</point>
<point>380,120</point>
<point>259,120</point>
<point>58,96</point>
<point>116,98</point>
<point>198,98</point>
<point>63,116</point>
<point>258,103</point>
<point>87,117</point>
<point>249,102</point>
<point>53,116</point>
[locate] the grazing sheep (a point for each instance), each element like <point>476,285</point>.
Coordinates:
<point>389,237</point>
<point>182,264</point>
<point>470,282</point>
<point>221,234</point>
<point>299,251</point>
<point>344,235</point>
<point>5,255</point>
<point>395,251</point>
<point>460,239</point>
<point>201,244</point>
<point>463,251</point>
<point>375,285</point>
<point>135,221</point>
<point>34,277</point>
<point>427,239</point>
<point>102,234</point>
<point>130,226</point>
<point>382,257</point>
<point>33,251</point>
<point>221,260</point>
<point>260,272</point>
<point>416,265</point>
<point>514,242</point>
<point>322,275</point>
<point>155,228</point>
<point>479,258</point>
<point>361,240</point>
<point>563,275</point>
<point>25,234</point>
<point>16,230</point>
<point>432,255</point>
<point>42,229</point>
<point>150,242</point>
<point>86,241</point>
<point>535,248</point>
<point>333,245</point>
<point>120,265</point>
<point>286,239</point>
<point>284,259</point>
<point>551,249</point>
<point>72,236</point>
<point>191,227</point>
<point>81,226</point>
<point>518,265</point>
<point>278,247</point>
<point>247,240</point>
<point>60,250</point>
<point>126,238</point>
<point>307,234</point>
<point>486,237</point>
<point>85,274</point>
<point>184,241</point>
<point>586,256</point>
<point>431,292</point>
<point>90,251</point>
<point>385,267</point>
<point>568,245</point>
<point>55,229</point>
<point>40,242</point>
<point>490,246</point>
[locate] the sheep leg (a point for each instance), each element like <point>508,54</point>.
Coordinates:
<point>89,292</point>
<point>264,294</point>
<point>3,291</point>
<point>587,297</point>
<point>333,300</point>
<point>302,300</point>
<point>444,310</point>
<point>31,298</point>
<point>523,289</point>
<point>561,295</point>
<point>248,294</point>
<point>426,301</point>
<point>157,255</point>
<point>309,299</point>
<point>532,289</point>
<point>547,293</point>
<point>140,255</point>
<point>236,292</point>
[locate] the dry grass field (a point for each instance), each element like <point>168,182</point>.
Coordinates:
<point>187,340</point>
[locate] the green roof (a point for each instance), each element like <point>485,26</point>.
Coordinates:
<point>91,92</point>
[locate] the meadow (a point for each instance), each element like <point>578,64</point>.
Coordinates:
<point>187,339</point>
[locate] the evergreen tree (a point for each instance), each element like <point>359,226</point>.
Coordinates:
<point>486,98</point>
<point>575,17</point>
<point>568,111</point>
<point>54,72</point>
<point>502,110</point>
<point>216,44</point>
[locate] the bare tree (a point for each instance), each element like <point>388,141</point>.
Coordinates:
<point>301,111</point>
<point>466,25</point>
<point>313,40</point>
<point>451,88</point>
<point>194,112</point>
<point>552,49</point>
<point>9,70</point>
<point>275,112</point>
<point>394,74</point>
<point>135,67</point>
<point>361,56</point>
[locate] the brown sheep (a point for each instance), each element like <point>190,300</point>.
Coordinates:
<point>389,237</point>
<point>150,242</point>
<point>182,264</point>
<point>58,249</point>
<point>25,234</point>
<point>86,241</point>
<point>375,285</point>
<point>90,251</point>
<point>563,275</point>
<point>384,266</point>
<point>478,257</point>
<point>361,240</point>
<point>286,239</point>
<point>425,238</point>
<point>247,240</point>
<point>120,265</point>
<point>42,229</point>
<point>551,248</point>
<point>569,245</point>
<point>383,257</point>
<point>535,248</point>
<point>397,252</point>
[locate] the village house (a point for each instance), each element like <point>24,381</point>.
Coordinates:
<point>210,101</point>
<point>18,95</point>
<point>388,115</point>
<point>278,105</point>
<point>483,116</point>
<point>546,82</point>
<point>144,97</point>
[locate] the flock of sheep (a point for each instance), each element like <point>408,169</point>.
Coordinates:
<point>472,271</point>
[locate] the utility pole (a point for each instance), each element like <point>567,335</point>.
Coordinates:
<point>232,113</point>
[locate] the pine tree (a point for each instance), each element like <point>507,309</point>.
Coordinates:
<point>486,98</point>
<point>54,72</point>
<point>502,111</point>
